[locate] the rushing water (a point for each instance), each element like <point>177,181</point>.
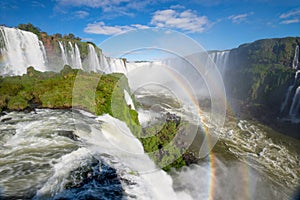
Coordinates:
<point>63,154</point>
<point>56,154</point>
<point>250,161</point>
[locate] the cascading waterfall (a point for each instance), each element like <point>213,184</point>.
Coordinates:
<point>93,60</point>
<point>74,56</point>
<point>20,50</point>
<point>43,50</point>
<point>291,104</point>
<point>284,104</point>
<point>220,58</point>
<point>63,53</point>
<point>115,65</point>
<point>294,109</point>
<point>296,58</point>
<point>296,104</point>
<point>77,57</point>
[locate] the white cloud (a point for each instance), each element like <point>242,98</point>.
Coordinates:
<point>90,3</point>
<point>177,6</point>
<point>101,28</point>
<point>110,8</point>
<point>291,17</point>
<point>140,26</point>
<point>291,13</point>
<point>290,21</point>
<point>187,20</point>
<point>236,19</point>
<point>81,14</point>
<point>117,7</point>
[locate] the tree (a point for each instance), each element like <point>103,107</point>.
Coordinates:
<point>30,27</point>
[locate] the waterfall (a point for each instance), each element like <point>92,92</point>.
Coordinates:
<point>63,53</point>
<point>20,50</point>
<point>220,58</point>
<point>296,103</point>
<point>77,57</point>
<point>71,57</point>
<point>74,56</point>
<point>296,58</point>
<point>128,99</point>
<point>115,139</point>
<point>43,50</point>
<point>93,60</point>
<point>291,104</point>
<point>284,104</point>
<point>117,65</point>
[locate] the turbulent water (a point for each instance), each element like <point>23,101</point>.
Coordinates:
<point>63,154</point>
<point>250,161</point>
<point>72,154</point>
<point>59,154</point>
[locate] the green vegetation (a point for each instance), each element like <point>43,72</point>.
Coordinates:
<point>260,72</point>
<point>31,28</point>
<point>55,90</point>
<point>158,143</point>
<point>166,143</point>
<point>98,94</point>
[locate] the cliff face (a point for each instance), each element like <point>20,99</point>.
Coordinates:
<point>261,72</point>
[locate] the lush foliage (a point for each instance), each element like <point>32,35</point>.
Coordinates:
<point>69,88</point>
<point>31,28</point>
<point>260,72</point>
<point>167,144</point>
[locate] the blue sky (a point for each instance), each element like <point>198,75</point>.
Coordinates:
<point>215,24</point>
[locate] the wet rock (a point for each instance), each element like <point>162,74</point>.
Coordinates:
<point>93,180</point>
<point>7,131</point>
<point>6,119</point>
<point>173,118</point>
<point>68,134</point>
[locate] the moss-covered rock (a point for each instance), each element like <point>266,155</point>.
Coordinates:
<point>167,144</point>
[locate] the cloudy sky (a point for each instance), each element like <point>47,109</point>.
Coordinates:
<point>215,24</point>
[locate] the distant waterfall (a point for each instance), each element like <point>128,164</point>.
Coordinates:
<point>77,59</point>
<point>296,58</point>
<point>291,105</point>
<point>72,56</point>
<point>93,60</point>
<point>116,65</point>
<point>43,50</point>
<point>63,53</point>
<point>220,58</point>
<point>296,104</point>
<point>19,50</point>
<point>103,63</point>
